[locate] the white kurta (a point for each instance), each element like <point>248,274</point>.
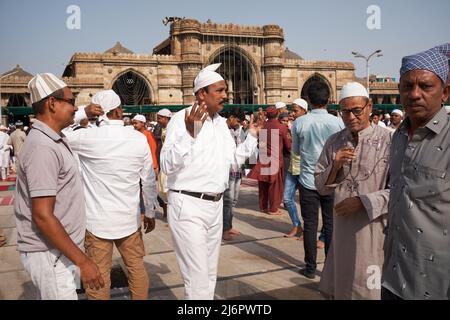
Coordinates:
<point>353,266</point>
<point>199,165</point>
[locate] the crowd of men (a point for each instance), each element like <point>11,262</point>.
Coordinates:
<point>381,181</point>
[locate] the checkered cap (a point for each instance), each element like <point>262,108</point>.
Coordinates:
<point>44,84</point>
<point>432,60</point>
<point>444,49</point>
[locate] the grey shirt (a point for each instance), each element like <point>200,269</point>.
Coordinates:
<point>48,168</point>
<point>417,247</point>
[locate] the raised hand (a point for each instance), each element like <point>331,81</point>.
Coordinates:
<point>344,155</point>
<point>93,110</point>
<point>194,120</point>
<point>253,127</point>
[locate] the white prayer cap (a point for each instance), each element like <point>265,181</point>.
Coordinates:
<point>44,84</point>
<point>301,103</point>
<point>447,108</point>
<point>165,113</point>
<point>140,117</point>
<point>280,105</point>
<point>353,89</point>
<point>387,115</point>
<point>207,76</point>
<point>396,111</point>
<point>107,99</point>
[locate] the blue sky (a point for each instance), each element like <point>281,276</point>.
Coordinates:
<point>34,33</point>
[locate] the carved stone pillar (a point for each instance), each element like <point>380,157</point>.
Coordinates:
<point>273,64</point>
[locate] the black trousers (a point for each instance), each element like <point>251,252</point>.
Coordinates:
<point>309,206</point>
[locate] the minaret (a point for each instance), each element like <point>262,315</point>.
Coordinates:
<point>273,64</point>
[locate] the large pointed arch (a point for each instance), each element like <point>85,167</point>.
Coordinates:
<point>316,77</point>
<point>240,72</point>
<point>133,88</point>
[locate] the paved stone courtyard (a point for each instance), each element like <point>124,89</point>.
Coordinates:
<point>259,264</point>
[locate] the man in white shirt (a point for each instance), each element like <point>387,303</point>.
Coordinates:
<point>113,160</point>
<point>197,157</point>
<point>397,118</point>
<point>376,118</point>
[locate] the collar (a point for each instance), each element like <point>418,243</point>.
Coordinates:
<point>436,124</point>
<point>319,111</point>
<point>45,129</point>
<point>112,123</point>
<point>363,133</point>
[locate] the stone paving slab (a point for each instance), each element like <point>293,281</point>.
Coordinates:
<point>259,264</point>
<point>7,211</point>
<point>9,260</point>
<point>16,285</point>
<point>7,221</point>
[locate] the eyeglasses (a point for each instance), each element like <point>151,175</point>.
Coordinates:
<point>69,101</point>
<point>356,111</point>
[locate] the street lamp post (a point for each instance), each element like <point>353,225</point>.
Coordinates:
<point>359,55</point>
<point>4,76</point>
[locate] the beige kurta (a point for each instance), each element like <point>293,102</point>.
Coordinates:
<point>353,266</point>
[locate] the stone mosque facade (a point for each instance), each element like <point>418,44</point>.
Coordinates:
<point>257,65</point>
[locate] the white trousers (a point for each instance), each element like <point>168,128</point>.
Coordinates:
<point>196,228</point>
<point>52,273</point>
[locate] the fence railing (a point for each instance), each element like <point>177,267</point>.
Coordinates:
<point>24,111</point>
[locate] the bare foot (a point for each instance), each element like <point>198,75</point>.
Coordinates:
<point>320,244</point>
<point>227,236</point>
<point>234,231</point>
<point>293,232</point>
<point>264,211</point>
<point>276,213</point>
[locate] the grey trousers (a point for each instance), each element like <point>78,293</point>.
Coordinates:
<point>230,199</point>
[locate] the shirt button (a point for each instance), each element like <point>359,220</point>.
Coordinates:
<point>435,122</point>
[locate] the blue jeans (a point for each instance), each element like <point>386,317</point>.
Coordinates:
<point>291,185</point>
<point>230,199</point>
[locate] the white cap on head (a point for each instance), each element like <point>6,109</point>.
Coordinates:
<point>280,105</point>
<point>301,103</point>
<point>140,117</point>
<point>108,100</point>
<point>447,108</point>
<point>44,84</point>
<point>165,113</point>
<point>397,111</point>
<point>353,89</point>
<point>387,115</point>
<point>207,76</point>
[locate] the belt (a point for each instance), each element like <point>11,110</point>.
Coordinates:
<point>200,195</point>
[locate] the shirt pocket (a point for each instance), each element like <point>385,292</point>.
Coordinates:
<point>426,182</point>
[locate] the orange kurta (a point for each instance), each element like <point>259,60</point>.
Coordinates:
<point>153,146</point>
